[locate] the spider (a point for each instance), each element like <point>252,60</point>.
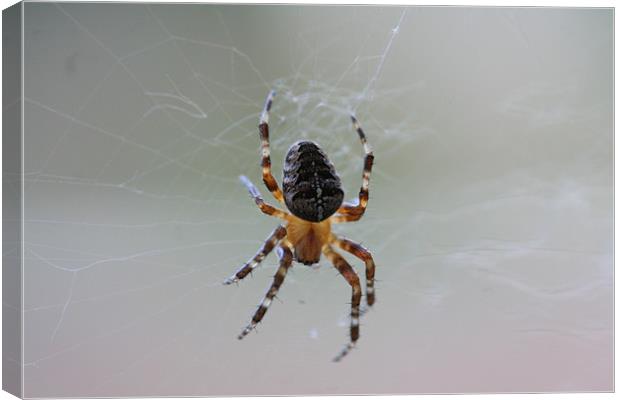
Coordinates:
<point>312,193</point>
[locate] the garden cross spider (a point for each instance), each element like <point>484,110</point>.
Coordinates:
<point>313,195</point>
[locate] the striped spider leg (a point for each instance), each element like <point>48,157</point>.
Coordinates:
<point>286,260</point>
<point>263,129</point>
<point>258,199</point>
<point>363,254</point>
<point>349,212</point>
<point>278,234</point>
<point>351,277</point>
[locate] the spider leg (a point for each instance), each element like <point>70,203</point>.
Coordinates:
<point>363,254</point>
<point>273,239</point>
<point>258,199</point>
<point>350,212</point>
<point>351,277</point>
<point>286,259</point>
<point>263,129</point>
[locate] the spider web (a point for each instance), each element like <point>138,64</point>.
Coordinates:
<point>140,118</point>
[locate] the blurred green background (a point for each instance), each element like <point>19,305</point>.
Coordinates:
<point>490,215</point>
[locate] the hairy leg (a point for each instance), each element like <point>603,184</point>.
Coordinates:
<point>278,234</point>
<point>350,212</point>
<point>258,199</point>
<point>286,259</point>
<point>363,254</point>
<point>356,294</point>
<point>263,130</point>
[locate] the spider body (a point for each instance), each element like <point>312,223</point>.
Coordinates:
<point>307,239</point>
<point>312,189</point>
<point>313,194</point>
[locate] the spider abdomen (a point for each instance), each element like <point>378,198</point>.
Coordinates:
<point>311,187</point>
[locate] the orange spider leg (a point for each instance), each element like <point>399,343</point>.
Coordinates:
<point>363,254</point>
<point>258,199</point>
<point>351,277</point>
<point>263,129</point>
<point>286,260</point>
<point>350,212</point>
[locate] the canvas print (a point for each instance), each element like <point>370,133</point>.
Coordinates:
<point>232,200</point>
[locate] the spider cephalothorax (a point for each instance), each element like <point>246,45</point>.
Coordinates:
<point>312,189</point>
<point>313,195</point>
